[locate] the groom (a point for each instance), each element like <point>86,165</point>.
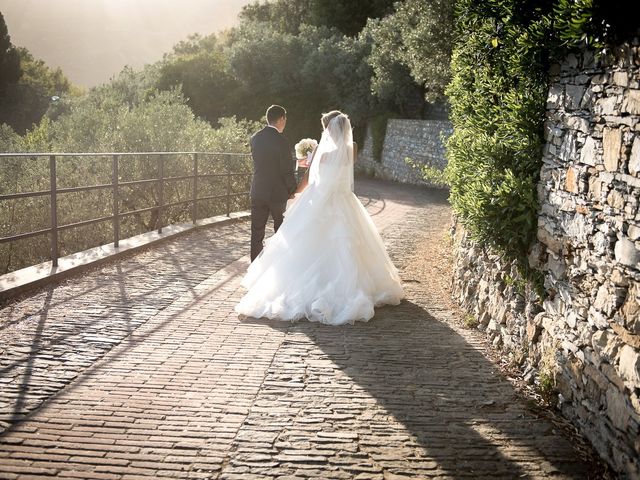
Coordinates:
<point>273,176</point>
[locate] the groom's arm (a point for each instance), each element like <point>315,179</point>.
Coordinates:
<point>287,167</point>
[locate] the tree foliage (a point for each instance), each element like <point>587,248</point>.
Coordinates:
<point>200,67</point>
<point>26,101</point>
<point>9,60</point>
<point>284,16</point>
<point>245,70</point>
<point>28,86</point>
<point>339,73</point>
<point>595,24</point>
<point>284,52</point>
<point>346,16</point>
<point>412,50</point>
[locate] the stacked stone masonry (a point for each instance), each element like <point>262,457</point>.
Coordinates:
<point>419,140</point>
<point>585,334</point>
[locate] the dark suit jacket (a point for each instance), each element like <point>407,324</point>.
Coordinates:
<point>273,167</point>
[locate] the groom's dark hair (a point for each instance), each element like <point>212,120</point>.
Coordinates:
<point>275,113</point>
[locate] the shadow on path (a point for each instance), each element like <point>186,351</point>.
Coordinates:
<point>369,191</point>
<point>135,337</point>
<point>71,325</point>
<point>458,410</point>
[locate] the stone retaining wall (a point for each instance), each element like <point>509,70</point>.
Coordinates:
<point>420,140</point>
<point>585,336</point>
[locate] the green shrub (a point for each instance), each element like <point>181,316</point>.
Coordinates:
<point>378,127</point>
<point>547,377</point>
<point>431,174</point>
<point>498,92</point>
<point>471,322</point>
<point>497,96</point>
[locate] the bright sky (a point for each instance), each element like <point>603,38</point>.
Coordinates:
<point>91,40</point>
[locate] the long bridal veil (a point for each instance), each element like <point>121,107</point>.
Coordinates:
<point>327,261</point>
<point>336,151</point>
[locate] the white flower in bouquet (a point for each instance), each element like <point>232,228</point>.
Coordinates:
<point>304,147</point>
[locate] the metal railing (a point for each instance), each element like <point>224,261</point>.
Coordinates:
<point>115,186</point>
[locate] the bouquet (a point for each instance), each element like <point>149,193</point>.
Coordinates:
<point>304,147</point>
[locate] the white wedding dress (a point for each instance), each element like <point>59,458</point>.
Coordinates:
<point>327,262</point>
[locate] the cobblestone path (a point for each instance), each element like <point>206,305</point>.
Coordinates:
<point>140,369</point>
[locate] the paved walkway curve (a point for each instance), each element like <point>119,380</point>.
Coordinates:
<point>140,369</point>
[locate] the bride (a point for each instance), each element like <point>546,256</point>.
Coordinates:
<point>327,262</point>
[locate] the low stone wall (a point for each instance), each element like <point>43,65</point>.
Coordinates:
<point>419,140</point>
<point>492,290</point>
<point>585,335</point>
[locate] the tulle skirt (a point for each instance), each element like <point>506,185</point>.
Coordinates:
<point>326,263</point>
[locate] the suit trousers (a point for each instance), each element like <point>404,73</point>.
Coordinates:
<point>260,212</point>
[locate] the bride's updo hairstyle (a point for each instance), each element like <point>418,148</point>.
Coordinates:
<point>338,128</point>
<point>327,117</point>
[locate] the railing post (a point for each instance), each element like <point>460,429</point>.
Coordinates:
<point>160,191</point>
<point>116,202</point>
<point>54,210</point>
<point>194,211</point>
<point>228,165</point>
